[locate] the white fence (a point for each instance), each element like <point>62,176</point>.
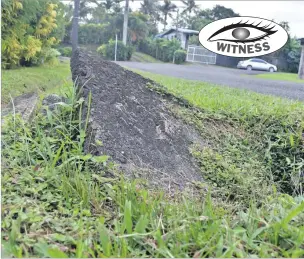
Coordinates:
<point>201,55</point>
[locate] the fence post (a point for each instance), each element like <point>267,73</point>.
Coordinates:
<point>115,46</point>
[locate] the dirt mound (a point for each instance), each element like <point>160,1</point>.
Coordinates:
<point>133,123</point>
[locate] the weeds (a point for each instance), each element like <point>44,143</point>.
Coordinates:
<point>59,202</point>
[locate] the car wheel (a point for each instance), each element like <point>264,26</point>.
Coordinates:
<point>271,70</point>
<point>249,68</point>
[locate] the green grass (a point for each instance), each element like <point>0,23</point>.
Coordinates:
<point>48,79</point>
<point>282,76</point>
<point>267,130</point>
<point>59,202</point>
<point>233,103</point>
<point>142,57</point>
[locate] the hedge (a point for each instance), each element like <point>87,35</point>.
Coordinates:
<point>123,52</point>
<point>180,56</point>
<point>94,34</point>
<point>161,49</point>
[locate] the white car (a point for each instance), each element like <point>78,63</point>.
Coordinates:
<point>257,64</point>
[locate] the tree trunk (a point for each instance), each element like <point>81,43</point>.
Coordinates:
<point>125,24</point>
<point>301,66</point>
<point>75,25</point>
<point>165,22</point>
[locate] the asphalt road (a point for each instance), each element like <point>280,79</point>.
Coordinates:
<point>225,77</point>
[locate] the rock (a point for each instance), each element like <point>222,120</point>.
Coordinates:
<point>53,100</point>
<point>133,123</point>
<point>25,105</point>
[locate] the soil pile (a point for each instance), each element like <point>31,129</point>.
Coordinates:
<point>133,123</point>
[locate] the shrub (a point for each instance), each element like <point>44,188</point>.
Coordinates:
<point>180,56</point>
<point>66,51</point>
<point>123,52</point>
<point>94,33</point>
<point>161,49</point>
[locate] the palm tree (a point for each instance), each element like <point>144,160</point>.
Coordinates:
<point>148,7</point>
<point>190,6</point>
<point>75,25</point>
<point>166,9</point>
<point>125,24</point>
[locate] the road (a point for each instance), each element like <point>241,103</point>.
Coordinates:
<point>224,76</point>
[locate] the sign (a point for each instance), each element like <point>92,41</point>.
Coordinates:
<point>243,36</point>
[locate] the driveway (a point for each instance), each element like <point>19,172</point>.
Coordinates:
<point>225,77</point>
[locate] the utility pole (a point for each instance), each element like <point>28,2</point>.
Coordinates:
<point>301,66</point>
<point>115,46</point>
<point>75,25</point>
<point>125,24</point>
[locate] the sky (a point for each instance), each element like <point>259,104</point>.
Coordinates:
<point>291,11</point>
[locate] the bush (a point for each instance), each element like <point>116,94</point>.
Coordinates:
<point>95,33</point>
<point>179,56</point>
<point>161,49</point>
<point>66,51</point>
<point>123,52</point>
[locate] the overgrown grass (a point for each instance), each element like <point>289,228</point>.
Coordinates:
<point>142,57</point>
<point>267,129</point>
<point>47,78</point>
<point>59,202</point>
<point>282,76</point>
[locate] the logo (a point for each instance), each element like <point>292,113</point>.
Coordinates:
<point>243,36</point>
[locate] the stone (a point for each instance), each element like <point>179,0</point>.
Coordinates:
<point>25,105</point>
<point>52,101</point>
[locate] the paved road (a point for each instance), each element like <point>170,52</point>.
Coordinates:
<point>224,76</point>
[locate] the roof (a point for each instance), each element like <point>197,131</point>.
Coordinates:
<point>186,31</point>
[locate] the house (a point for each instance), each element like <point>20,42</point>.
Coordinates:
<point>180,34</point>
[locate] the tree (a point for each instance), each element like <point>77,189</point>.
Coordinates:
<point>166,9</point>
<point>75,25</point>
<point>125,24</point>
<point>29,29</point>
<point>111,6</point>
<point>301,65</point>
<point>218,12</point>
<point>150,8</point>
<point>138,27</point>
<point>190,6</point>
<point>84,9</point>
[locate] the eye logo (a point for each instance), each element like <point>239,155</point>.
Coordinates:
<point>243,37</point>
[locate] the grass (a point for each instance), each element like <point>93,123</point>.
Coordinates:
<point>59,202</point>
<point>142,57</point>
<point>282,77</point>
<point>43,79</point>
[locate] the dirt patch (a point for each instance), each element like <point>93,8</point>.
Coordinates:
<point>133,123</point>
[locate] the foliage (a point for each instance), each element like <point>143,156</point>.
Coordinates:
<point>47,78</point>
<point>166,10</point>
<point>123,52</point>
<point>29,29</point>
<point>161,49</point>
<point>94,33</point>
<point>190,6</point>
<point>288,57</point>
<point>59,202</point>
<point>65,51</point>
<point>180,56</point>
<point>217,12</point>
<point>194,40</point>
